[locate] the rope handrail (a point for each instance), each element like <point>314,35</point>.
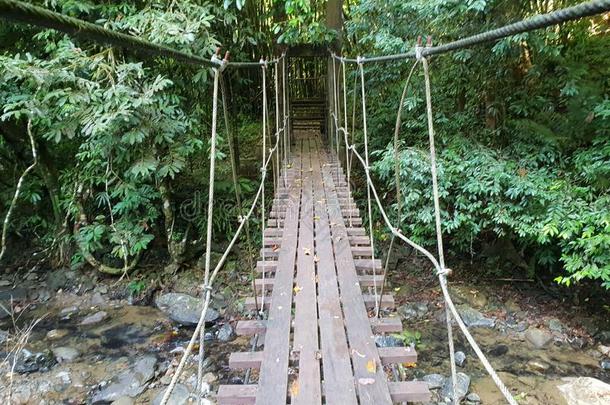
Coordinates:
<point>441,271</point>
<point>19,11</point>
<point>582,10</point>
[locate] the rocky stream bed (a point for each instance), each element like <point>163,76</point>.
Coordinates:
<point>67,337</point>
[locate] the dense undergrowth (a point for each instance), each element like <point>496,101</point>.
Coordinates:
<point>523,130</point>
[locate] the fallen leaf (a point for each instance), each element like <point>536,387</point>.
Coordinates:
<point>307,251</point>
<point>316,259</point>
<point>371,366</point>
<point>275,248</point>
<point>366,381</point>
<point>297,289</point>
<point>294,388</point>
<point>410,365</point>
<point>316,218</point>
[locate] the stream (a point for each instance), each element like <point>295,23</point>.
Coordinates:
<point>91,345</point>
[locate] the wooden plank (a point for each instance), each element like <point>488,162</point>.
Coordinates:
<point>245,360</point>
<point>273,379</point>
<point>386,325</point>
<point>305,344</point>
<point>365,357</point>
<point>387,301</point>
<point>336,364</point>
<point>250,327</point>
<point>379,325</point>
<point>397,355</point>
<point>269,266</point>
<point>267,282</point>
<point>367,264</point>
<point>236,394</point>
<point>409,391</point>
<point>367,280</point>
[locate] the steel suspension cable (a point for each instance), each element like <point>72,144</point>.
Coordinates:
<point>582,10</point>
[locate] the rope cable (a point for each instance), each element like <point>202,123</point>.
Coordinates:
<point>208,239</point>
<point>263,170</point>
<point>582,10</point>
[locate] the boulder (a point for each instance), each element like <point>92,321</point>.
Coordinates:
<point>539,338</point>
<point>180,396</point>
<point>434,381</point>
<point>585,391</point>
<point>460,359</point>
<point>413,310</point>
<point>225,333</point>
<point>474,319</point>
<point>184,309</point>
<point>463,383</point>
<point>130,382</point>
<point>65,354</point>
<point>94,318</point>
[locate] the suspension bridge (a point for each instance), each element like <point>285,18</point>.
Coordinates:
<point>318,297</point>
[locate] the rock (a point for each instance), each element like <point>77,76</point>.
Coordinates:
<point>463,383</point>
<point>577,342</point>
<point>460,359</point>
<point>5,283</point>
<point>603,337</point>
<point>388,341</point>
<point>94,318</point>
<point>44,295</point>
<point>225,333</point>
<point>585,391</point>
<point>555,325</point>
<point>209,378</point>
<point>3,336</point>
<point>184,309</point>
<point>498,350</point>
<point>180,395</point>
<point>537,366</point>
<point>65,354</point>
<point>56,334</point>
<point>130,382</point>
<point>605,364</point>
<point>434,381</point>
<point>604,350</point>
<point>472,397</point>
<point>474,319</point>
<point>68,311</point>
<point>97,300</point>
<point>124,401</point>
<point>28,362</point>
<point>413,310</point>
<point>102,289</point>
<point>539,338</point>
<point>59,279</point>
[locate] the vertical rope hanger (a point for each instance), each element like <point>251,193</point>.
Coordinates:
<point>277,124</point>
<point>284,165</point>
<point>437,211</point>
<point>346,147</point>
<point>396,173</point>
<point>263,176</point>
<point>368,188</point>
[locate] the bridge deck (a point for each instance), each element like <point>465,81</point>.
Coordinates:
<point>319,342</point>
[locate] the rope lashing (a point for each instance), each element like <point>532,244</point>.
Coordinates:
<point>586,9</point>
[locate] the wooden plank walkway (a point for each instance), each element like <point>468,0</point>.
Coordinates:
<point>319,345</point>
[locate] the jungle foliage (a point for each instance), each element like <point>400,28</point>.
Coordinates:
<point>523,129</point>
